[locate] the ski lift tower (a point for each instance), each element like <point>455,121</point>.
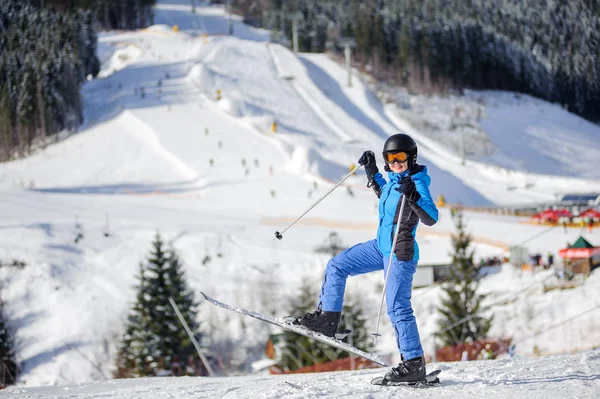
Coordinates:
<point>295,17</point>
<point>229,11</point>
<point>348,43</point>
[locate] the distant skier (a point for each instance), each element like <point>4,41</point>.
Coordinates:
<point>406,178</point>
<point>550,260</point>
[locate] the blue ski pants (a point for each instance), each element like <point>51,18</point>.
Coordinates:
<point>364,258</point>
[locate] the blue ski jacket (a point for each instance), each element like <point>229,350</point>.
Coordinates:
<point>423,209</point>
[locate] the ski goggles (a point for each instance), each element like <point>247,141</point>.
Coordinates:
<point>391,157</point>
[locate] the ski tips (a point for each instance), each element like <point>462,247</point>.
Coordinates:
<point>204,295</point>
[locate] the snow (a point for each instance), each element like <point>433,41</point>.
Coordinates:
<point>214,179</point>
<point>120,58</point>
<point>551,140</point>
<point>570,376</point>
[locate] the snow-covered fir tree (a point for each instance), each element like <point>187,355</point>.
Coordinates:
<point>461,308</point>
<point>154,341</point>
<point>8,358</point>
<point>135,352</point>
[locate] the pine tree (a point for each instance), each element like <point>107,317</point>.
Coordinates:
<point>8,362</point>
<point>166,279</point>
<point>135,352</point>
<point>461,307</point>
<point>300,351</point>
<point>154,337</point>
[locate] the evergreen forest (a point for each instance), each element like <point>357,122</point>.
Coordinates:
<point>47,50</point>
<point>111,14</point>
<point>549,49</point>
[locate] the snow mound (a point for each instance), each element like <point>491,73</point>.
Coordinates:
<point>132,152</point>
<point>240,108</point>
<point>304,160</point>
<point>160,28</point>
<point>202,77</point>
<point>147,137</point>
<point>123,56</point>
<point>309,161</point>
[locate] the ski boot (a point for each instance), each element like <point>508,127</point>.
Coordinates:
<point>408,371</point>
<point>325,323</point>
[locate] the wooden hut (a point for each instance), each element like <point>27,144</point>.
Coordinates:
<point>581,257</point>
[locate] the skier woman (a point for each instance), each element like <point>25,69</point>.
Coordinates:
<point>408,179</point>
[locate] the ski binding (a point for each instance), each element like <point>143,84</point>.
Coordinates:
<point>339,335</point>
<point>430,380</point>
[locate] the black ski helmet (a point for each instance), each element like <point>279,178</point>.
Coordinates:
<point>401,142</point>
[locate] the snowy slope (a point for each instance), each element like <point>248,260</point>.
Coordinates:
<point>215,181</point>
<point>554,377</point>
<point>548,139</point>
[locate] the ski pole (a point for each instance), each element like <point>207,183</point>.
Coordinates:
<point>192,338</point>
<point>279,235</point>
<point>376,334</point>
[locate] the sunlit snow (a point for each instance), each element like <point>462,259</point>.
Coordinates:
<point>214,179</point>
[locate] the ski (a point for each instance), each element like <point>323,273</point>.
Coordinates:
<point>301,330</point>
<point>430,380</point>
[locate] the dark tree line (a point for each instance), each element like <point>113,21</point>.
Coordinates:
<point>45,56</point>
<point>111,14</point>
<point>47,49</point>
<point>545,48</point>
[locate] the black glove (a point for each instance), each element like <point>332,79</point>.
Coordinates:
<point>368,160</point>
<point>407,187</point>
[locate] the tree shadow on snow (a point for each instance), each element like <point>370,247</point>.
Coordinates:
<point>126,188</point>
<point>47,228</point>
<point>41,358</point>
<point>64,247</point>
